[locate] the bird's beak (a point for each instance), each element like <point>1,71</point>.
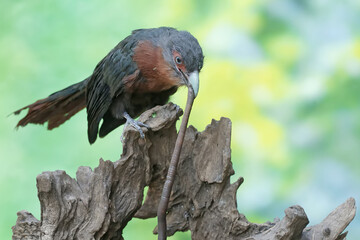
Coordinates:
<point>193,81</point>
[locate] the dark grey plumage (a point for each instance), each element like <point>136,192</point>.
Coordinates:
<point>122,82</point>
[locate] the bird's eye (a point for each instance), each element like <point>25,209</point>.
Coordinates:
<point>178,60</point>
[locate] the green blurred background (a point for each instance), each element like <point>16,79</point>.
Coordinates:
<point>285,72</point>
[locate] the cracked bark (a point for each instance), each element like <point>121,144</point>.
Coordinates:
<point>99,203</point>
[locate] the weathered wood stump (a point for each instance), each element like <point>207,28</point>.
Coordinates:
<point>99,203</point>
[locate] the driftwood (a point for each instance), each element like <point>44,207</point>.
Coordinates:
<point>99,203</point>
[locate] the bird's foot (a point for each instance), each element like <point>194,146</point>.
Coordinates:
<point>136,124</point>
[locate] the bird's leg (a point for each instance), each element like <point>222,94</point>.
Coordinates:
<point>136,124</point>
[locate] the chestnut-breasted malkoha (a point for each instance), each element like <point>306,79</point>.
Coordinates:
<point>142,71</point>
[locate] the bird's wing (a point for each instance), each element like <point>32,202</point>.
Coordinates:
<point>107,83</point>
<point>98,100</point>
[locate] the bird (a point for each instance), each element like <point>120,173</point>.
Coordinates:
<point>141,71</point>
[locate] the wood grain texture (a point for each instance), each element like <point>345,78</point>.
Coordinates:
<point>99,203</point>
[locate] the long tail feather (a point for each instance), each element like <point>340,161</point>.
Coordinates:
<point>57,108</point>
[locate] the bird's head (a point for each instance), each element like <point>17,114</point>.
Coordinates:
<point>167,57</point>
<point>185,56</point>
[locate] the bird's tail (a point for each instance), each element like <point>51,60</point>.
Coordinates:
<point>56,108</point>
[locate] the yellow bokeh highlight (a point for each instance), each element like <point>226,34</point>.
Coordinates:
<point>285,48</point>
<point>226,89</point>
<point>356,49</point>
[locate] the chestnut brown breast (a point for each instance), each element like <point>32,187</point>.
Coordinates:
<point>156,73</point>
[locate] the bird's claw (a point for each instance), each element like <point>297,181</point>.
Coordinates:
<point>141,124</point>
<point>136,124</point>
